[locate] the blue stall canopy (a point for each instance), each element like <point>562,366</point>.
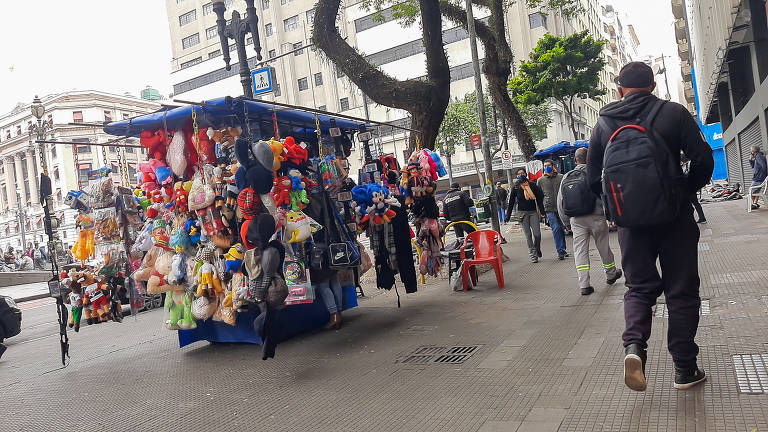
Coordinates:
<point>560,149</point>
<point>229,111</point>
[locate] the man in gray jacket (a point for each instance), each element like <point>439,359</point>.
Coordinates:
<point>585,225</point>
<point>550,185</point>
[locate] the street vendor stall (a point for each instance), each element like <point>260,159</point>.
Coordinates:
<point>561,153</point>
<point>224,229</point>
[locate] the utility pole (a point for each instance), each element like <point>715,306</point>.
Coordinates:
<point>481,113</point>
<point>666,83</point>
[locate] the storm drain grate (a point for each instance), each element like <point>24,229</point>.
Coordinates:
<point>456,354</point>
<point>662,312</point>
<point>751,372</point>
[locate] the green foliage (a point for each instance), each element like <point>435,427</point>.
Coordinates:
<point>459,123</point>
<point>560,68</point>
<point>536,118</point>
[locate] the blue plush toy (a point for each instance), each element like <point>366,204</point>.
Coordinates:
<point>362,198</point>
<point>192,228</point>
<point>438,163</point>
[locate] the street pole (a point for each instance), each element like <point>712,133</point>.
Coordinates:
<point>481,113</point>
<point>505,143</point>
<point>666,83</point>
<point>20,212</point>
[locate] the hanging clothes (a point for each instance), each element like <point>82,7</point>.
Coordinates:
<point>404,249</point>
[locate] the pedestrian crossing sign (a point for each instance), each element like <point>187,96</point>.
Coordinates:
<point>262,80</point>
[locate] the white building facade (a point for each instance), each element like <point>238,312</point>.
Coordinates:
<point>20,164</point>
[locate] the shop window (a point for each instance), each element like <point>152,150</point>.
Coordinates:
<point>268,29</point>
<point>297,47</point>
<point>344,104</point>
<point>292,23</point>
<point>318,79</point>
<point>537,19</point>
<point>187,17</point>
<point>207,9</point>
<point>190,41</point>
<point>303,85</point>
<point>211,32</point>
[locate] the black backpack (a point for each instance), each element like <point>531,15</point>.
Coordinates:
<point>641,180</point>
<point>577,197</point>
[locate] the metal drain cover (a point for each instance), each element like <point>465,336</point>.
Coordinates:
<point>751,372</point>
<point>660,311</point>
<point>425,354</point>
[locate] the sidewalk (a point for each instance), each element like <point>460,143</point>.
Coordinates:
<point>536,356</point>
<point>26,292</point>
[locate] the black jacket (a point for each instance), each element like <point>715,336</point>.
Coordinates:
<point>518,196</point>
<point>456,205</point>
<point>674,124</point>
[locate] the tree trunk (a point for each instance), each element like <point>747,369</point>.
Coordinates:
<point>497,66</point>
<point>569,112</point>
<point>426,101</point>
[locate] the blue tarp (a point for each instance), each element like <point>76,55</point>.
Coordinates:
<point>560,149</point>
<point>228,111</point>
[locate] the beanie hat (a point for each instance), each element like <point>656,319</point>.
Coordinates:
<point>248,202</point>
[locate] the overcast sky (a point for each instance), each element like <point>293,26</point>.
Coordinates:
<point>50,46</point>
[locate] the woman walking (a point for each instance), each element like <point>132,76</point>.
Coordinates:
<point>530,201</point>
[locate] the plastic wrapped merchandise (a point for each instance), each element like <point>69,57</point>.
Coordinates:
<point>107,228</point>
<point>101,193</point>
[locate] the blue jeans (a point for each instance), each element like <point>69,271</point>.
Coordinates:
<point>500,207</point>
<point>330,291</point>
<point>558,232</point>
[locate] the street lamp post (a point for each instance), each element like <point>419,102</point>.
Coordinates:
<point>21,214</point>
<point>51,223</point>
<point>237,29</point>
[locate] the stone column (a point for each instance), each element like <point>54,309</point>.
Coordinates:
<point>19,179</point>
<point>10,181</point>
<point>31,170</point>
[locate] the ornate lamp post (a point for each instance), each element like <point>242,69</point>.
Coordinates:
<point>21,215</point>
<point>237,29</point>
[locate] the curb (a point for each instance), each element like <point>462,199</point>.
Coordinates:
<point>32,297</point>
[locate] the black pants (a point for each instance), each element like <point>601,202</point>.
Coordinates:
<point>676,247</point>
<point>697,207</point>
<point>463,229</point>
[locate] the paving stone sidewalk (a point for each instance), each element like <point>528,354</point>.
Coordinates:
<point>536,356</point>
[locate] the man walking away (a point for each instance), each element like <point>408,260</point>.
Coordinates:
<point>580,209</point>
<point>549,184</point>
<point>634,158</point>
<point>686,163</point>
<point>456,205</point>
<point>758,162</point>
<point>501,200</point>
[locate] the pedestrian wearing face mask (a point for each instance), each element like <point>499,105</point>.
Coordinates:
<point>526,202</point>
<point>550,186</point>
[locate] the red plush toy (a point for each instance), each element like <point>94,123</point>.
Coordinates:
<point>295,153</point>
<point>192,158</point>
<point>155,142</point>
<point>180,197</point>
<point>207,147</point>
<point>282,191</point>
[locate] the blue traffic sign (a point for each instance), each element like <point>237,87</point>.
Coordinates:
<point>262,80</point>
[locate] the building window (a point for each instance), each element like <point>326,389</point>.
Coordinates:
<point>276,91</point>
<point>82,172</point>
<point>207,9</point>
<point>303,85</point>
<point>107,116</point>
<point>343,104</point>
<point>249,41</point>
<point>322,108</point>
<point>53,152</point>
<point>211,32</point>
<point>188,17</point>
<point>77,116</point>
<point>310,16</point>
<point>296,46</point>
<point>83,149</point>
<point>264,4</point>
<point>190,41</point>
<point>126,116</point>
<point>272,53</point>
<point>18,130</point>
<point>192,62</point>
<point>292,23</point>
<point>339,73</point>
<point>283,2</point>
<point>537,19</point>
<point>268,29</point>
<point>213,54</point>
<point>179,1</point>
<point>318,79</point>
<point>8,134</point>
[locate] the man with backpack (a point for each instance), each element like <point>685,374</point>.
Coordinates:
<point>580,209</point>
<point>634,159</point>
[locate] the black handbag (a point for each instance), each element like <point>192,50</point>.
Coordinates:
<point>343,253</point>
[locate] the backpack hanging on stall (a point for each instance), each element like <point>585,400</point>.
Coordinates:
<point>641,179</point>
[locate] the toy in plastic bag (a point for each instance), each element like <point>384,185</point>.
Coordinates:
<point>202,308</point>
<point>175,156</point>
<point>84,247</point>
<point>299,226</point>
<point>201,194</point>
<point>100,193</point>
<point>107,229</point>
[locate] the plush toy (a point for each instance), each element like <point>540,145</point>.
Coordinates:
<point>203,308</point>
<point>84,247</point>
<point>282,191</point>
<point>382,212</point>
<point>179,306</point>
<point>298,226</point>
<point>180,199</point>
<point>178,273</point>
<point>141,199</point>
<point>175,156</point>
<point>439,167</point>
<point>200,194</point>
<point>362,202</point>
<point>76,301</point>
<point>163,174</point>
<point>94,296</point>
<point>205,148</point>
<point>157,282</point>
<point>147,265</point>
<point>295,153</point>
<point>277,150</point>
<point>426,169</point>
<point>192,227</point>
<point>298,194</point>
<point>179,239</point>
<point>147,179</point>
<point>209,284</point>
<point>155,142</point>
<point>255,166</point>
<point>234,258</point>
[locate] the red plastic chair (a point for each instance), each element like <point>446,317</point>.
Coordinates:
<point>487,247</point>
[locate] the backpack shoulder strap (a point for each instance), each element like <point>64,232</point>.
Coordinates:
<point>653,113</point>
